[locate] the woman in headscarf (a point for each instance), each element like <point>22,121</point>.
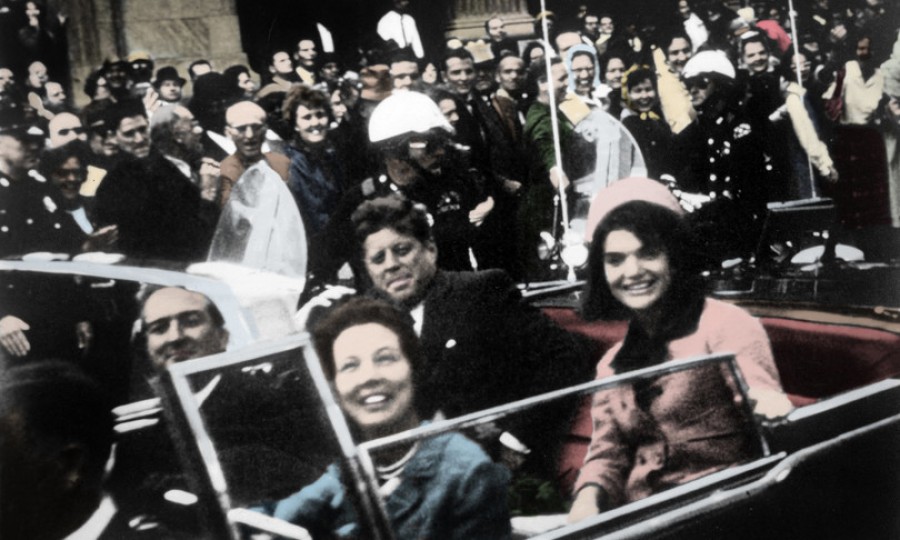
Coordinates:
<point>584,77</point>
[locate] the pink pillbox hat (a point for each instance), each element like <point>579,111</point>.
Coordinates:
<point>627,190</point>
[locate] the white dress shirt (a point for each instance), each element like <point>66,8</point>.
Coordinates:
<point>402,29</point>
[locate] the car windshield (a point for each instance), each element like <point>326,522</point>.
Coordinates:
<point>257,428</point>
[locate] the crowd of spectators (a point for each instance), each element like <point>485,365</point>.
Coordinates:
<point>721,104</point>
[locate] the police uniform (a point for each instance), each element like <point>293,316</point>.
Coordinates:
<point>448,197</point>
<point>723,158</point>
<point>32,220</point>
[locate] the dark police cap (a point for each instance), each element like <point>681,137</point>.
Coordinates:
<point>18,122</point>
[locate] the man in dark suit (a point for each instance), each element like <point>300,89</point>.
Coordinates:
<point>55,437</point>
<point>159,212</point>
<point>489,127</point>
<point>484,346</point>
<point>250,414</point>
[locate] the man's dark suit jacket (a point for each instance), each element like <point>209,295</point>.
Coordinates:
<point>159,212</point>
<point>484,347</point>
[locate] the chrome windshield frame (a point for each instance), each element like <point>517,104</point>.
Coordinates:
<point>176,387</point>
<point>501,411</point>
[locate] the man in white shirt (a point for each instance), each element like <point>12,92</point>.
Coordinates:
<point>306,60</point>
<point>399,26</point>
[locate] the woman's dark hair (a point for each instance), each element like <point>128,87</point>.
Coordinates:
<point>536,74</point>
<point>232,75</point>
<point>90,83</point>
<point>668,38</point>
<point>603,61</point>
<point>391,212</point>
<point>361,310</point>
<point>657,228</point>
<point>637,76</point>
<point>306,96</point>
<point>784,66</point>
<point>526,53</point>
<point>53,158</point>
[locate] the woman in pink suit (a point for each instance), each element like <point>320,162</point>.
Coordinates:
<point>663,432</point>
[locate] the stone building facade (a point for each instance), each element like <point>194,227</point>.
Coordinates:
<point>177,32</point>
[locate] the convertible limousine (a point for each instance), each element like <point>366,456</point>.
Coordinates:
<point>831,469</point>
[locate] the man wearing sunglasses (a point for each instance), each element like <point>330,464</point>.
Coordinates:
<point>417,158</point>
<point>723,161</point>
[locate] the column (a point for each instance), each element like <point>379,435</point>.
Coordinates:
<point>469,16</point>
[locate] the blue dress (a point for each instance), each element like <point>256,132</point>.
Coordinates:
<point>449,489</point>
<point>315,180</point>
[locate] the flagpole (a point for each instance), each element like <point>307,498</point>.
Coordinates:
<point>554,118</point>
<point>792,14</point>
<point>793,17</point>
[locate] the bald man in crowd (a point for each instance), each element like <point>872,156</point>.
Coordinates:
<point>65,127</point>
<point>246,124</point>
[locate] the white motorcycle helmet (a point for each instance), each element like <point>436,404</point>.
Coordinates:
<point>405,113</point>
<point>708,62</point>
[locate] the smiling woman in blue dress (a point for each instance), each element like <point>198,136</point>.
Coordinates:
<point>441,487</point>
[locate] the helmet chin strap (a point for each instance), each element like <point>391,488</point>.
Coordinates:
<point>403,171</point>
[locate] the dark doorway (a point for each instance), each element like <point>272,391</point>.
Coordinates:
<point>270,24</point>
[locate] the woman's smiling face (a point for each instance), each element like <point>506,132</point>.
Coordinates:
<point>643,96</point>
<point>311,124</point>
<point>614,71</point>
<point>583,71</point>
<point>638,276</point>
<point>373,379</point>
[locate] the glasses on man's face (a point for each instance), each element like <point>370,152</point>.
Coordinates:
<point>76,130</point>
<point>250,129</point>
<point>427,142</point>
<point>77,174</point>
<point>700,83</point>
